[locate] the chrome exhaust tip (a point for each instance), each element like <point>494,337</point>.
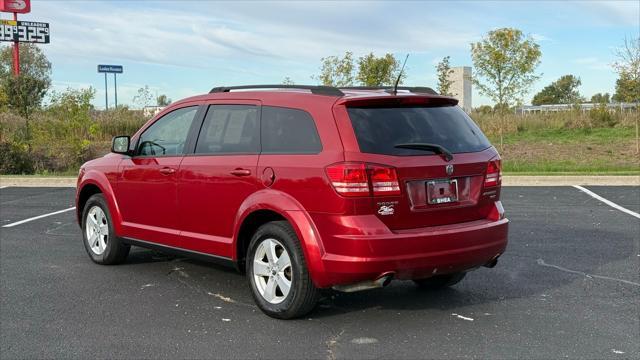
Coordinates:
<point>491,264</point>
<point>382,281</point>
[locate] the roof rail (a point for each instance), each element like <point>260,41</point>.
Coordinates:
<point>413,89</point>
<point>315,89</point>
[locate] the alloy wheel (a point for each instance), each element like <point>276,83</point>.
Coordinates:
<point>272,271</point>
<point>97,230</point>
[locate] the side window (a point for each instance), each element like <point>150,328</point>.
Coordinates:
<point>167,136</point>
<point>229,129</point>
<point>288,131</point>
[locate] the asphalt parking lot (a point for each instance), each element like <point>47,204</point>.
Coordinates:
<point>568,286</point>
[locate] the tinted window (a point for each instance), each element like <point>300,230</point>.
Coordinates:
<point>288,131</point>
<point>229,129</point>
<point>378,129</point>
<point>167,136</point>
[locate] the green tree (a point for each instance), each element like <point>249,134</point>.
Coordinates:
<point>627,88</point>
<point>163,100</point>
<point>144,97</point>
<point>562,91</point>
<point>287,81</point>
<point>443,69</point>
<point>378,71</point>
<point>24,93</point>
<point>505,62</point>
<point>600,98</point>
<point>336,71</point>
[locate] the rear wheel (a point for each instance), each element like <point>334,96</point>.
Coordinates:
<point>277,272</point>
<point>440,281</point>
<point>100,241</point>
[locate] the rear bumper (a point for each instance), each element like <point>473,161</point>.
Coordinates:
<point>369,250</point>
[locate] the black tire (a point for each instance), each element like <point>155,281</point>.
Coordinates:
<point>440,281</point>
<point>303,295</point>
<point>115,251</point>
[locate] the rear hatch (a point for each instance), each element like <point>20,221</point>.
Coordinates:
<point>446,170</point>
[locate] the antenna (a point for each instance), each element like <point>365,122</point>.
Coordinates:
<point>395,87</point>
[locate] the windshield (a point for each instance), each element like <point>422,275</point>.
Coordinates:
<point>380,129</point>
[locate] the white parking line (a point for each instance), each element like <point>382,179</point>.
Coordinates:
<point>608,202</point>
<point>3,187</point>
<point>37,217</point>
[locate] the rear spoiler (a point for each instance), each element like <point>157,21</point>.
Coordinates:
<point>399,100</point>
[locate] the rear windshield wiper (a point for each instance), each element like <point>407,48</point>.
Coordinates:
<point>438,149</point>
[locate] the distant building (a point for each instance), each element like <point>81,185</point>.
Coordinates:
<point>151,111</point>
<point>461,86</point>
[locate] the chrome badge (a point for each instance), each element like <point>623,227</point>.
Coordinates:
<point>386,210</point>
<point>449,169</point>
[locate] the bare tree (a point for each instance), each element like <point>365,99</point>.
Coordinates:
<point>628,83</point>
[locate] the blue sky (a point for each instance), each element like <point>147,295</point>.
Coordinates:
<point>183,48</point>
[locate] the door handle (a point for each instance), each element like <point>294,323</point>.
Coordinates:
<point>167,171</point>
<point>241,172</point>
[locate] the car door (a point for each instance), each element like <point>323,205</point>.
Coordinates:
<point>147,186</point>
<point>218,176</point>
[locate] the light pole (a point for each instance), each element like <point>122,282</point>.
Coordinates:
<point>106,93</point>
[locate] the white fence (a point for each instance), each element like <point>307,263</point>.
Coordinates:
<point>566,107</point>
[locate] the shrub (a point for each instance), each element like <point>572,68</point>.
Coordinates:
<point>14,159</point>
<point>602,117</point>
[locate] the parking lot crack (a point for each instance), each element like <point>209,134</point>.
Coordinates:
<point>542,263</point>
<point>221,297</point>
<point>331,345</point>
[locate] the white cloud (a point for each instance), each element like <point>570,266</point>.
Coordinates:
<point>183,47</point>
<point>539,37</point>
<point>592,63</point>
<point>618,12</point>
<point>226,31</point>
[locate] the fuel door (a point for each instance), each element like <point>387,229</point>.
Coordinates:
<point>268,177</point>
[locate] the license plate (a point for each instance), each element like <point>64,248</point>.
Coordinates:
<point>442,191</point>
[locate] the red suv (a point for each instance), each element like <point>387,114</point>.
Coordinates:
<point>304,188</point>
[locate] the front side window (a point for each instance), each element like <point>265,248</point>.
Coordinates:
<point>288,131</point>
<point>230,129</point>
<point>167,136</point>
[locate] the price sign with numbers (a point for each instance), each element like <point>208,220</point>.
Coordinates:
<point>24,31</point>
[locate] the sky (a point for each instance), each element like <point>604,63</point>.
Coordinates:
<point>184,48</point>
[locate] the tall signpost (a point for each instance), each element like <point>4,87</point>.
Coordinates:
<point>110,69</point>
<point>21,31</point>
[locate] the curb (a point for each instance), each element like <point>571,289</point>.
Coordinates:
<point>36,181</point>
<point>570,180</point>
<point>507,180</point>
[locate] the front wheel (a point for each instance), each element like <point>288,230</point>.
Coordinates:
<point>440,281</point>
<point>277,272</point>
<point>100,241</point>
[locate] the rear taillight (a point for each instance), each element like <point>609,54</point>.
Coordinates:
<point>384,180</point>
<point>359,179</point>
<point>349,179</point>
<point>494,174</point>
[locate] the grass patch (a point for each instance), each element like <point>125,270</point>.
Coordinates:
<point>597,136</point>
<point>576,151</point>
<point>565,167</point>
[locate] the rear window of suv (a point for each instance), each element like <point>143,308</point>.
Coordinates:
<point>379,129</point>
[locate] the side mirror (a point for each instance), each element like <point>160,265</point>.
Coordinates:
<point>120,145</point>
